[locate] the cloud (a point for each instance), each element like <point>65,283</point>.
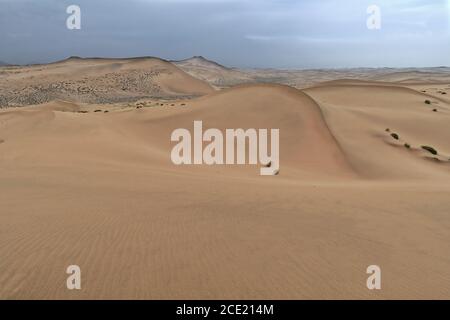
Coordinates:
<point>246,33</point>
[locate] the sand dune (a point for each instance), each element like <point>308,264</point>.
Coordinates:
<point>98,190</point>
<point>97,81</point>
<point>371,109</point>
<point>307,145</point>
<point>421,76</point>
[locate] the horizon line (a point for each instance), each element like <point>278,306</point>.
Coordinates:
<point>7,64</point>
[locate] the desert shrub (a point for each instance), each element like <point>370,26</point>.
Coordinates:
<point>98,110</point>
<point>427,101</point>
<point>430,150</point>
<point>267,165</point>
<point>434,110</point>
<point>395,136</point>
<point>407,146</point>
<point>106,111</point>
<point>388,130</point>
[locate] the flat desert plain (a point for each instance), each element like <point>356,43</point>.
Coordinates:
<point>86,179</point>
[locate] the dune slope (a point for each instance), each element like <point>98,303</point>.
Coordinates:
<point>98,190</point>
<point>364,116</point>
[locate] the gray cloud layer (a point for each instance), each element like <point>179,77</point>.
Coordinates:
<point>244,33</point>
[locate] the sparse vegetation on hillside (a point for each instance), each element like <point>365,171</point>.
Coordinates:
<point>431,150</point>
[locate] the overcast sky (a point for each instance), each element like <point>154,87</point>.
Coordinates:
<point>241,33</point>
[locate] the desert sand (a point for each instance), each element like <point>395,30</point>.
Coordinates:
<point>98,189</point>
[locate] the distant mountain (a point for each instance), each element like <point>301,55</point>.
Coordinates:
<point>212,72</point>
<point>199,61</point>
<point>3,63</point>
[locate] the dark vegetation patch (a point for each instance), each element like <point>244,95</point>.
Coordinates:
<point>395,136</point>
<point>430,150</point>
